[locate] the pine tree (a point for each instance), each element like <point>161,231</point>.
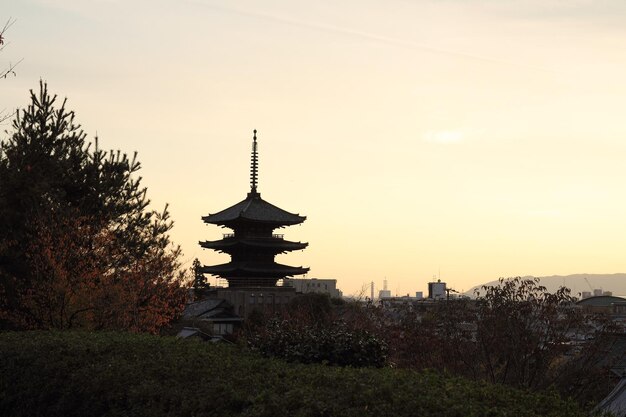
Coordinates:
<point>200,284</point>
<point>56,184</point>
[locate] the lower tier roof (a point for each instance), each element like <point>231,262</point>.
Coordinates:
<point>253,269</point>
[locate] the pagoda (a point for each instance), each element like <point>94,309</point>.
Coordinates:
<point>252,245</point>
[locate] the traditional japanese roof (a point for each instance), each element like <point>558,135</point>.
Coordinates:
<point>214,309</point>
<point>615,402</point>
<point>251,269</point>
<point>200,307</point>
<point>188,332</point>
<point>254,208</point>
<point>271,243</point>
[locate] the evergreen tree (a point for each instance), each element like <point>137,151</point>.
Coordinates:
<point>199,280</point>
<point>54,185</point>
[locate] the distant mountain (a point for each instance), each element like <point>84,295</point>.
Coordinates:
<point>616,283</point>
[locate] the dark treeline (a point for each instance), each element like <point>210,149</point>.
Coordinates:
<point>515,333</point>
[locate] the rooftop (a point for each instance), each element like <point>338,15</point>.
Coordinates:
<point>601,301</point>
<point>254,208</point>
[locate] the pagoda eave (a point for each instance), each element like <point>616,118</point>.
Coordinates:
<point>273,245</point>
<point>235,269</point>
<point>254,209</point>
<point>242,220</point>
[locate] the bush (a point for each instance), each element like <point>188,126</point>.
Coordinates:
<point>122,374</point>
<point>333,344</point>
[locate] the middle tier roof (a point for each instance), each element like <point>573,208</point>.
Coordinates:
<point>262,243</point>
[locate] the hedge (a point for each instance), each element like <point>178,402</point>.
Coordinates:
<point>120,374</point>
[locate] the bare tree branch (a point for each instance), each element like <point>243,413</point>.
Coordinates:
<point>10,69</point>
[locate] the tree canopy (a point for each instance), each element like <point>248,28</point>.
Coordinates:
<point>78,244</point>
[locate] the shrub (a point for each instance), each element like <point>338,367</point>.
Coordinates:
<point>122,374</point>
<point>333,344</point>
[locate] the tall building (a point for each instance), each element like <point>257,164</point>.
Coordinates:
<point>437,290</point>
<point>252,272</point>
<point>384,293</point>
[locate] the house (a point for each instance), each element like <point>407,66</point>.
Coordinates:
<point>213,315</point>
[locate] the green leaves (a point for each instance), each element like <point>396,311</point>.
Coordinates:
<point>328,343</point>
<point>121,374</point>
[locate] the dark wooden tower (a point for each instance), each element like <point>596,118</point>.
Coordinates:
<point>253,244</point>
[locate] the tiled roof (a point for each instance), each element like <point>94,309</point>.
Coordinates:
<point>191,331</point>
<point>200,307</point>
<point>252,268</point>
<point>615,402</point>
<point>256,209</point>
<point>279,244</point>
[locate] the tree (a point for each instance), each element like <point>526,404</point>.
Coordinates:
<point>439,336</point>
<point>514,333</point>
<point>314,329</point>
<point>200,283</point>
<point>523,330</point>
<point>78,246</point>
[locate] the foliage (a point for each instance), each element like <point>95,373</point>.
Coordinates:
<point>515,333</point>
<point>315,329</point>
<point>440,336</point>
<point>120,374</point>
<point>78,246</point>
<point>311,307</point>
<point>200,284</point>
<point>333,344</point>
<point>523,330</point>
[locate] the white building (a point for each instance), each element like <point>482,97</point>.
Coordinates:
<point>384,294</point>
<point>437,290</point>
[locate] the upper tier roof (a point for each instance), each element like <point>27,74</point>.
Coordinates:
<point>254,208</point>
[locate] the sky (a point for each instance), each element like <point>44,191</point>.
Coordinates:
<point>460,139</point>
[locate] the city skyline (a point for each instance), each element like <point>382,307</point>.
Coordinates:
<point>478,139</point>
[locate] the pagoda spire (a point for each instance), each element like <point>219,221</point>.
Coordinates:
<point>254,166</point>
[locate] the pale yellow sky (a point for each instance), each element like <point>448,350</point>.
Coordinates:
<point>479,138</point>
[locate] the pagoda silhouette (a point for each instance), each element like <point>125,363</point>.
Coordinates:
<point>253,245</point>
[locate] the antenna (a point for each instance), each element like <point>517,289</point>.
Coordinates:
<point>254,165</point>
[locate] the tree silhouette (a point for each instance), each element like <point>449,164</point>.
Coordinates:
<point>78,245</point>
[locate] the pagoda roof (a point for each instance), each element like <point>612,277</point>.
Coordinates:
<point>251,268</point>
<point>279,244</point>
<point>254,209</point>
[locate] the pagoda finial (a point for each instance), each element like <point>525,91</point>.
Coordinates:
<point>254,166</point>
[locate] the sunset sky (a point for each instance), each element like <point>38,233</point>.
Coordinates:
<point>481,139</point>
